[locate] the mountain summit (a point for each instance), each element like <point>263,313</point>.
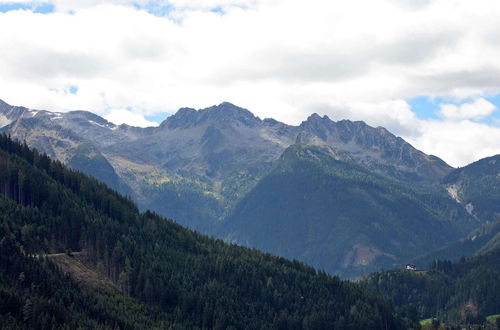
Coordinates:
<point>229,129</point>
<point>373,147</point>
<point>222,114</point>
<point>223,171</point>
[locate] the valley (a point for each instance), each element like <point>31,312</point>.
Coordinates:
<point>249,165</point>
<point>139,270</point>
<point>342,196</point>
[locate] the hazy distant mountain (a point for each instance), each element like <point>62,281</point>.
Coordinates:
<point>477,187</point>
<point>342,217</point>
<point>68,137</point>
<point>212,155</point>
<point>375,148</point>
<point>201,167</point>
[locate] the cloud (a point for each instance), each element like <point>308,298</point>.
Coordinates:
<point>356,59</point>
<point>123,116</point>
<point>458,142</point>
<point>478,109</point>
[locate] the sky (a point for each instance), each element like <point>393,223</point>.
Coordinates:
<point>427,70</point>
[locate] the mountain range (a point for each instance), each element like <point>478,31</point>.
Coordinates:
<point>77,255</point>
<point>342,196</point>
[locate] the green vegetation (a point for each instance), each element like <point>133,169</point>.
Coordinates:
<point>342,217</point>
<point>465,292</point>
<point>426,321</point>
<point>187,200</point>
<point>164,275</point>
<point>478,185</point>
<point>493,318</point>
<point>90,161</point>
<point>482,240</point>
<point>198,202</point>
<point>355,199</point>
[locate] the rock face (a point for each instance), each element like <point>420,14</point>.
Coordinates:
<point>200,167</point>
<point>477,188</point>
<point>375,148</point>
<point>219,140</point>
<point>214,142</point>
<point>69,137</point>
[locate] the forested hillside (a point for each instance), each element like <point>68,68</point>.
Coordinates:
<point>165,276</point>
<point>369,201</point>
<point>204,161</point>
<point>477,187</point>
<point>342,217</point>
<point>465,292</point>
<point>480,241</point>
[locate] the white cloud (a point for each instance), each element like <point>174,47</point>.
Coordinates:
<point>478,109</point>
<point>123,116</point>
<point>279,58</point>
<point>458,142</point>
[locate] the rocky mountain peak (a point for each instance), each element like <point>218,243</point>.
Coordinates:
<point>86,115</point>
<point>184,117</point>
<point>271,121</point>
<point>229,112</point>
<point>222,113</point>
<point>3,104</point>
<point>373,147</point>
<point>232,129</point>
<point>315,126</point>
<point>9,113</point>
<point>315,119</point>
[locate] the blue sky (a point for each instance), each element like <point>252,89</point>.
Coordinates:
<point>426,107</point>
<point>156,8</point>
<point>494,119</point>
<point>158,118</point>
<point>40,7</point>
